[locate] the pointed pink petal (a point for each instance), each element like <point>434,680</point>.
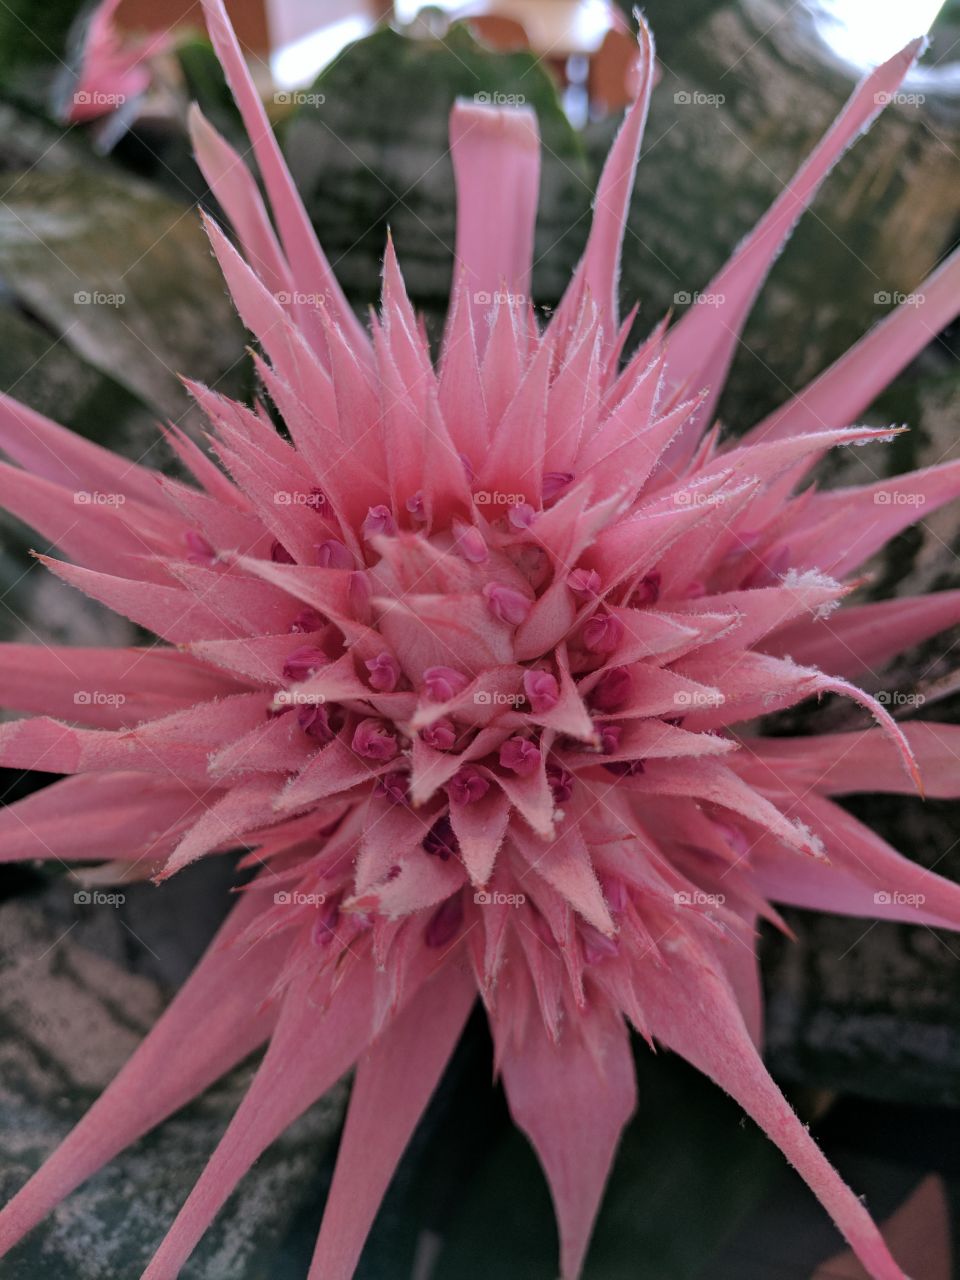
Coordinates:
<point>237,193</point>
<point>496,164</point>
<point>701,344</point>
<point>308,264</point>
<point>480,828</point>
<point>691,1010</point>
<point>393,1084</point>
<point>309,1051</point>
<point>842,392</point>
<point>598,274</point>
<point>51,451</point>
<point>845,763</point>
<point>865,877</point>
<point>104,688</point>
<point>865,637</point>
<point>135,816</point>
<point>573,1111</point>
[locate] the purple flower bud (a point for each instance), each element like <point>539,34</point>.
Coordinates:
<point>602,633</point>
<point>612,689</point>
<point>334,555</point>
<point>520,756</point>
<point>199,550</point>
<point>308,620</point>
<point>542,691</point>
<point>314,720</point>
<point>384,672</point>
<point>505,603</point>
<point>441,735</point>
<point>467,786</point>
<point>585,583</point>
<point>394,787</point>
<point>554,483</point>
<point>373,740</point>
<point>561,782</point>
<point>443,683</point>
<point>378,522</point>
<point>304,662</point>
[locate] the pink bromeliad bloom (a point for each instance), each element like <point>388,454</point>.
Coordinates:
<point>114,67</point>
<point>469,661</point>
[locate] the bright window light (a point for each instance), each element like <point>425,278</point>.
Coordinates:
<point>867,32</point>
<point>297,63</point>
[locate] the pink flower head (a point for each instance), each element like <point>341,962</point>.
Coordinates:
<point>443,683</point>
<point>441,734</point>
<point>468,785</point>
<point>115,67</point>
<point>332,554</point>
<point>384,672</point>
<point>471,545</point>
<point>602,633</point>
<point>379,523</point>
<point>612,690</point>
<point>585,583</point>
<point>394,787</point>
<point>314,720</point>
<point>554,483</point>
<point>373,740</point>
<point>191,764</point>
<point>506,603</point>
<point>542,690</point>
<point>308,620</point>
<point>520,756</point>
<point>304,662</point>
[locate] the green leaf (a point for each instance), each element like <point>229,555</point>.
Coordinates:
<point>124,277</point>
<point>81,984</point>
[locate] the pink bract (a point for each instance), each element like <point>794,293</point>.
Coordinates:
<point>544,604</point>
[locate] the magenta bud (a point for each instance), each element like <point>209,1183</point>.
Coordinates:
<point>520,756</point>
<point>304,662</point>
